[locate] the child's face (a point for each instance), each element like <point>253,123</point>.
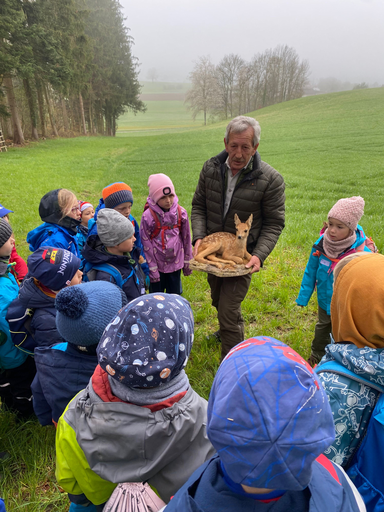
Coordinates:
<point>337,230</point>
<point>6,249</point>
<point>166,202</point>
<point>124,209</point>
<point>87,214</point>
<point>77,278</point>
<point>75,211</point>
<point>127,245</point>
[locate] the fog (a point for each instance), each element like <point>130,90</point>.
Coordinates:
<point>339,38</point>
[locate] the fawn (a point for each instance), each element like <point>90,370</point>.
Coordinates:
<point>232,248</point>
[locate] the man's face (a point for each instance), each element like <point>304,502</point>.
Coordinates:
<point>240,148</point>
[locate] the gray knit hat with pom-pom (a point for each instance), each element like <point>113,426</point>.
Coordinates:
<point>84,311</point>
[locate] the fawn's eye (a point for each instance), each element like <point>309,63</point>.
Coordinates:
<point>245,230</point>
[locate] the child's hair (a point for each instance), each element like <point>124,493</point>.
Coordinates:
<point>65,198</point>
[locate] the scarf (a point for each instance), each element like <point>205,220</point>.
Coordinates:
<point>357,310</point>
<point>44,289</point>
<point>334,248</point>
<point>150,396</point>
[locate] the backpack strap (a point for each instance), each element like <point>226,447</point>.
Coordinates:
<point>335,367</point>
<point>159,228</point>
<point>110,269</point>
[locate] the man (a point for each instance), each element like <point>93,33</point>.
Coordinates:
<point>237,181</point>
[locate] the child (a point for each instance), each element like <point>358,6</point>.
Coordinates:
<point>269,420</point>
<point>118,196</point>
<point>87,213</point>
<point>166,236</point>
<point>111,255</point>
<point>16,368</point>
<point>19,270</point>
<point>352,370</point>
<point>59,210</point>
<point>83,312</point>
<point>341,237</point>
<point>49,270</point>
<point>139,419</point>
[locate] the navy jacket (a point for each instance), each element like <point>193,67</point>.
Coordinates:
<point>206,491</point>
<point>43,324</point>
<point>61,372</point>
<point>95,253</point>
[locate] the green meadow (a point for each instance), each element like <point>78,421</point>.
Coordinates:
<point>166,111</point>
<point>326,147</point>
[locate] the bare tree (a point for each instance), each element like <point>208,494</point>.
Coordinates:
<point>153,75</point>
<point>227,76</point>
<point>204,93</point>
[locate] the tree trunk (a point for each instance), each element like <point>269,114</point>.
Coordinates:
<point>50,113</point>
<point>90,116</point>
<point>18,136</point>
<point>65,115</point>
<point>82,114</point>
<point>40,101</point>
<point>32,108</point>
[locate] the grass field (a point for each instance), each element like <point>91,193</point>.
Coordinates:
<point>326,147</point>
<point>166,111</point>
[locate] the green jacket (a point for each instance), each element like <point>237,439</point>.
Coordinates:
<point>101,443</point>
<point>259,190</point>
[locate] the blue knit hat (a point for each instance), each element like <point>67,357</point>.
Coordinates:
<point>268,416</point>
<point>149,341</point>
<point>84,311</point>
<point>53,267</point>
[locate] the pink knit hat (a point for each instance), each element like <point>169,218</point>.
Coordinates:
<point>348,210</point>
<point>160,185</point>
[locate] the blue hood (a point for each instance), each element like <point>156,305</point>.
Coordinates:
<point>37,236</point>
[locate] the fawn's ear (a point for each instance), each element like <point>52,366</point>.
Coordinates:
<point>237,220</point>
<point>249,221</point>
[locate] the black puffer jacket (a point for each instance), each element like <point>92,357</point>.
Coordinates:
<point>260,191</point>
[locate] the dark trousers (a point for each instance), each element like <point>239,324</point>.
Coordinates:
<point>15,388</point>
<point>169,283</point>
<point>322,337</point>
<point>227,294</point>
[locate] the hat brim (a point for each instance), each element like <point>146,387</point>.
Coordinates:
<point>4,211</point>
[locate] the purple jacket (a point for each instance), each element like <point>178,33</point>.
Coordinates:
<point>176,252</point>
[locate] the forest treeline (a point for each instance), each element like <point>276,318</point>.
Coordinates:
<point>66,68</point>
<point>234,86</point>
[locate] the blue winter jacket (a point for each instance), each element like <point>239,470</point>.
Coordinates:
<point>95,253</point>
<point>319,273</point>
<point>353,378</point>
<point>206,491</point>
<point>43,323</point>
<point>61,372</point>
<point>10,356</point>
<point>93,231</point>
<point>82,235</point>
<point>366,471</point>
<point>53,235</point>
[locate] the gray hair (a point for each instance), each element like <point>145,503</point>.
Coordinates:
<point>241,123</point>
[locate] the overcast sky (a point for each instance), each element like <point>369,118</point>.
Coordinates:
<point>339,38</point>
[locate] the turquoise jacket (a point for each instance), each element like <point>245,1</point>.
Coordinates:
<point>319,272</point>
<point>353,379</point>
<point>10,356</point>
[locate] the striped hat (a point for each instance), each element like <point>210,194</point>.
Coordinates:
<point>117,193</point>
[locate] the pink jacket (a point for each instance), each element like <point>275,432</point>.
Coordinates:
<point>177,251</point>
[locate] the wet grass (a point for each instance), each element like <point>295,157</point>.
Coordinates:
<point>326,147</point>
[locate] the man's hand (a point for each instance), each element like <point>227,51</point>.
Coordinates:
<point>197,243</point>
<point>255,263</point>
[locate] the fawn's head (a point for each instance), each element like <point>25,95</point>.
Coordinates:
<point>243,228</point>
